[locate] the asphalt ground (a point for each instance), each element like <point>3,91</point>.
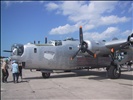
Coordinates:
<point>77,85</point>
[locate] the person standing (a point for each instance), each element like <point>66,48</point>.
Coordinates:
<point>15,71</point>
<point>20,70</point>
<point>5,73</point>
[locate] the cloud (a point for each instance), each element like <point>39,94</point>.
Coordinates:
<point>113,20</point>
<point>51,6</point>
<point>126,33</point>
<point>91,15</point>
<point>78,11</point>
<point>87,27</point>
<point>109,32</point>
<point>64,29</point>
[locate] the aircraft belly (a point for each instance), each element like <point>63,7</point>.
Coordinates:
<point>95,62</point>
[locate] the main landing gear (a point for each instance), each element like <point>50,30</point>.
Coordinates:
<point>114,72</point>
<point>45,75</point>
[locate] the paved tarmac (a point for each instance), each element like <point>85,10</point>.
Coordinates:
<point>77,85</point>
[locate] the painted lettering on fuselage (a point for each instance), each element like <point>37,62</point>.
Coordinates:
<point>49,55</point>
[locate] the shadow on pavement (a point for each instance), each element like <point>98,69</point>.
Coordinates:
<point>77,73</point>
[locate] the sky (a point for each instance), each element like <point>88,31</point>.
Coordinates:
<point>25,21</point>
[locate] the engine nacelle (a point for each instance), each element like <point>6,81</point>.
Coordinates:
<point>131,39</point>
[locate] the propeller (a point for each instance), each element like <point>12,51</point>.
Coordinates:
<point>83,46</point>
<point>3,57</point>
<point>130,39</point>
<point>7,51</point>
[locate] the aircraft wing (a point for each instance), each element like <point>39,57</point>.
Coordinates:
<point>120,44</point>
<point>117,44</point>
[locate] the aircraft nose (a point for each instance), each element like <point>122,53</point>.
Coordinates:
<point>14,51</point>
<point>17,49</point>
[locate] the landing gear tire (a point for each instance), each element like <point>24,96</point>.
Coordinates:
<point>114,72</point>
<point>67,70</point>
<point>45,75</point>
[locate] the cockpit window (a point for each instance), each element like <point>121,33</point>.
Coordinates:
<point>56,42</point>
<point>17,49</point>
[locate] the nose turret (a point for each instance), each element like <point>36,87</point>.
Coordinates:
<point>17,49</point>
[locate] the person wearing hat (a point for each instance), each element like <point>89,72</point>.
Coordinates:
<point>5,73</point>
<point>15,71</point>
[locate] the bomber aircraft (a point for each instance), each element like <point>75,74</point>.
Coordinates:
<point>71,54</point>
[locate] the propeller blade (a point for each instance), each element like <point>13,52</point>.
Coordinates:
<point>75,55</point>
<point>132,35</point>
<point>3,57</point>
<point>7,51</point>
<point>83,45</point>
<point>81,35</point>
<point>90,53</point>
<point>131,38</point>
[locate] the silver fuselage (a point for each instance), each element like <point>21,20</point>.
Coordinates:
<point>47,56</point>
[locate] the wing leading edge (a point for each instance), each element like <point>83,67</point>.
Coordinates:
<point>120,44</point>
